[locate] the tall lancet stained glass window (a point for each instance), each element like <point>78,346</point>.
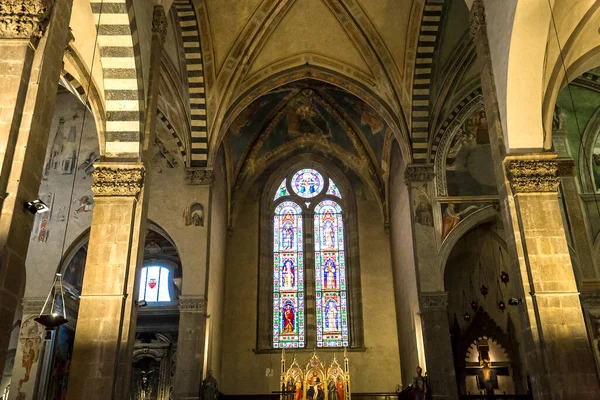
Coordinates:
<point>330,271</point>
<point>288,276</point>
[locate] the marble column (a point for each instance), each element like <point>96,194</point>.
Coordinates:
<point>433,302</point>
<point>557,352</point>
<point>107,310</point>
<point>190,347</point>
<point>31,31</point>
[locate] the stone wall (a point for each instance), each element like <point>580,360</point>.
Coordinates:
<point>376,369</point>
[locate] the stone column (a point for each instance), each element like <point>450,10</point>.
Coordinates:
<point>190,347</point>
<point>107,313</point>
<point>433,302</point>
<point>27,95</point>
<point>438,348</point>
<point>552,298</point>
<point>192,305</point>
<point>557,351</point>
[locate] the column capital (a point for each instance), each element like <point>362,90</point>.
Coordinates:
<point>117,179</point>
<point>417,172</point>
<point>199,176</point>
<point>32,305</point>
<point>159,22</point>
<point>477,19</point>
<point>533,174</point>
<point>590,299</point>
<point>24,19</point>
<point>194,304</point>
<point>434,301</point>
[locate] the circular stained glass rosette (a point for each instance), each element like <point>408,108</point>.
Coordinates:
<point>307,183</point>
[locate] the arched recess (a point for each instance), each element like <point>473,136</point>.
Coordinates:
<point>577,52</point>
<point>585,159</point>
<point>265,273</point>
<point>123,84</point>
<point>481,216</point>
<point>396,122</point>
<point>77,74</point>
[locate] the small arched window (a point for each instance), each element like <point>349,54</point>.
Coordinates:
<point>309,193</point>
<point>155,284</point>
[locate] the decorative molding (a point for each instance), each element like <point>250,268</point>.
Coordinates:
<point>24,19</point>
<point>195,304</point>
<point>159,22</point>
<point>477,20</point>
<point>199,176</point>
<point>117,180</point>
<point>32,305</point>
<point>533,176</point>
<point>419,173</point>
<point>434,301</point>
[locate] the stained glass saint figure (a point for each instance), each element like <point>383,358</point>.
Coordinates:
<point>288,274</point>
<point>330,272</point>
<point>329,235</point>
<point>287,236</point>
<point>288,318</point>
<point>331,314</point>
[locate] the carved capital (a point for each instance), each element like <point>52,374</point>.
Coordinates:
<point>477,19</point>
<point>117,179</point>
<point>434,301</point>
<point>195,304</point>
<point>533,176</point>
<point>159,22</point>
<point>24,19</point>
<point>199,176</point>
<point>32,305</point>
<point>415,172</point>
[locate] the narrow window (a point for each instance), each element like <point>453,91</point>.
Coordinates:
<point>288,276</point>
<point>332,316</point>
<point>154,284</point>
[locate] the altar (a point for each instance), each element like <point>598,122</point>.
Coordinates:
<point>316,381</point>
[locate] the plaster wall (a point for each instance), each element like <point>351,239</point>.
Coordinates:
<point>375,369</point>
<point>61,171</point>
<point>169,196</point>
<point>404,269</point>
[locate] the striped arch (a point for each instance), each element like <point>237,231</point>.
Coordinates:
<point>428,38</point>
<point>475,95</point>
<point>180,146</point>
<point>119,54</point>
<point>69,82</point>
<point>188,24</point>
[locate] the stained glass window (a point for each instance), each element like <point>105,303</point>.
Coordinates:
<point>154,284</point>
<point>288,276</point>
<point>307,183</point>
<point>282,190</point>
<point>330,290</point>
<point>333,189</point>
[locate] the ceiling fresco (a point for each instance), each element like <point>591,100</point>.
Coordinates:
<point>306,111</point>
